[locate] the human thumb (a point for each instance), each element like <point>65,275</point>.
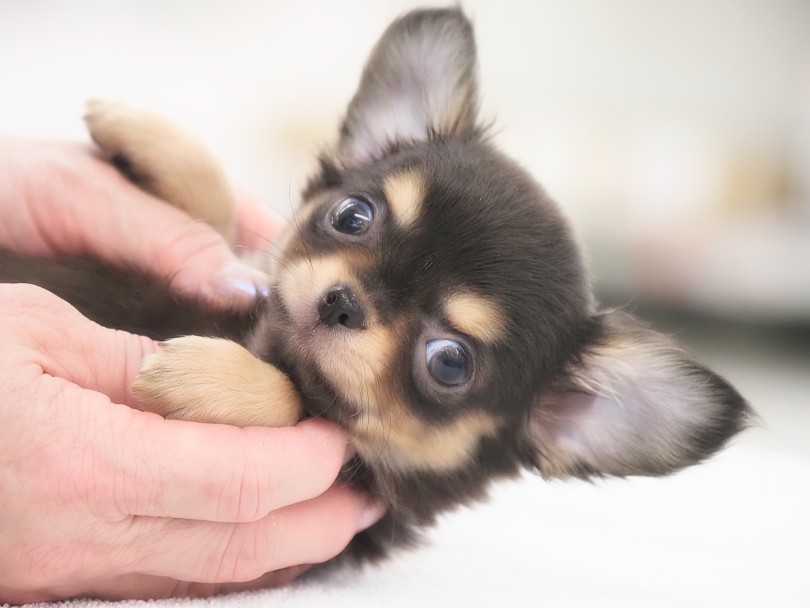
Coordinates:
<point>55,337</point>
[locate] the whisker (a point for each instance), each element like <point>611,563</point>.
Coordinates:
<point>296,224</point>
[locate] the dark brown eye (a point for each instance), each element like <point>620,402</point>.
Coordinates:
<point>353,216</point>
<point>448,362</point>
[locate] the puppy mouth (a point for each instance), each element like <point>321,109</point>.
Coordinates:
<point>337,349</point>
<point>297,345</point>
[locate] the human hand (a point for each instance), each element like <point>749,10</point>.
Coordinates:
<point>58,198</point>
<point>104,500</point>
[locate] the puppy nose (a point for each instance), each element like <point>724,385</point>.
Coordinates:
<point>340,306</point>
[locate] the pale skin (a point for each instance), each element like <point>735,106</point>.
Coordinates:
<point>98,498</point>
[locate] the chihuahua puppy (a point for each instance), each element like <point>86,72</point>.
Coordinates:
<point>430,299</point>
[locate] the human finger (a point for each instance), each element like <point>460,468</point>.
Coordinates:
<point>148,466</point>
<point>65,344</point>
<point>220,473</point>
<point>145,587</point>
<point>191,255</point>
<point>112,219</point>
<point>172,468</point>
<point>306,533</point>
<point>257,225</point>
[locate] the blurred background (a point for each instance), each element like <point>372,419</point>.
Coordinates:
<point>674,133</point>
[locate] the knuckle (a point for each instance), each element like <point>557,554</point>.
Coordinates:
<point>187,248</point>
<point>248,497</point>
<point>251,501</point>
<point>244,557</point>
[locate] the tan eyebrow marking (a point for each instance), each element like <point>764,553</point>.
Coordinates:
<point>475,316</point>
<point>405,192</point>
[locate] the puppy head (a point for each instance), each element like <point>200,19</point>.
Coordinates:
<point>432,300</point>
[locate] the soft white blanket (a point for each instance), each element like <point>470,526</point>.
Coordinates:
<point>734,532</point>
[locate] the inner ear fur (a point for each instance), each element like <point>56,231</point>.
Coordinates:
<point>632,403</point>
<point>419,82</point>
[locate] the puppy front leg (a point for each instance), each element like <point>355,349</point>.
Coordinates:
<point>215,380</point>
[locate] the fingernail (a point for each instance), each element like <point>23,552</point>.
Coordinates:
<point>370,515</point>
<point>241,284</point>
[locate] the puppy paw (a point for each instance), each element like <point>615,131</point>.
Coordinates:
<point>218,381</point>
<point>164,160</point>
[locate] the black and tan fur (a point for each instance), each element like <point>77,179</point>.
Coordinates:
<point>464,246</point>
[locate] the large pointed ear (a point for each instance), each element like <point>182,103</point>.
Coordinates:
<point>420,81</point>
<point>634,403</point>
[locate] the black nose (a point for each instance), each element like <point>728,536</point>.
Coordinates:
<point>340,306</point>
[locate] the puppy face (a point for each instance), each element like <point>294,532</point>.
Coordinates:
<point>431,300</point>
<point>418,287</point>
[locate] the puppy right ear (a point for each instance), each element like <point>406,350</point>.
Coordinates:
<point>419,82</point>
<point>633,403</point>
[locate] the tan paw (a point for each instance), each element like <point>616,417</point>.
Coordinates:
<point>165,161</point>
<point>215,380</point>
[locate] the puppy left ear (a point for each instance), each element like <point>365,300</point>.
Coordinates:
<point>420,81</point>
<point>634,403</point>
